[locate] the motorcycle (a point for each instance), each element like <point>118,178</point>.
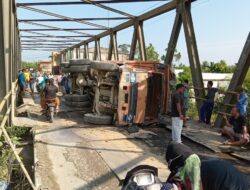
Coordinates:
<point>50,111</point>
<point>143,177</point>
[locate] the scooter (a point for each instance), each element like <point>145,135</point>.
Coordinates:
<point>143,177</point>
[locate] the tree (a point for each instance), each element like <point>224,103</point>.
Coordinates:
<point>152,54</point>
<point>33,65</point>
<point>150,51</point>
<point>124,48</point>
<point>185,75</point>
<point>177,56</point>
<point>219,67</point>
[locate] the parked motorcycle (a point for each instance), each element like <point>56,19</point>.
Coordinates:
<point>143,177</point>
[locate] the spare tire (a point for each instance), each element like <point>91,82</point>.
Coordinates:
<point>79,62</point>
<point>77,98</point>
<point>98,119</point>
<point>104,66</point>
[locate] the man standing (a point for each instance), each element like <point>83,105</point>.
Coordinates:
<point>22,82</point>
<point>177,115</point>
<point>185,100</point>
<point>32,81</point>
<point>236,129</point>
<point>242,101</point>
<point>208,106</point>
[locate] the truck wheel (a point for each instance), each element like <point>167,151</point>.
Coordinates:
<point>85,104</point>
<point>64,64</point>
<point>98,119</point>
<point>79,62</point>
<point>81,104</point>
<point>77,98</point>
<point>104,66</point>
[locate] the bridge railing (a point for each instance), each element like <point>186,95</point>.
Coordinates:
<point>10,114</point>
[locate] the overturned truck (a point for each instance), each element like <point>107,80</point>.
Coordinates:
<point>118,92</point>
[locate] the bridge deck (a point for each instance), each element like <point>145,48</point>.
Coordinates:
<point>70,154</point>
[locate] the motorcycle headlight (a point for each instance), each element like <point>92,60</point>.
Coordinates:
<point>144,179</point>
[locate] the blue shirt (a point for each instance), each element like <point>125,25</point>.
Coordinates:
<point>242,103</point>
<point>22,80</point>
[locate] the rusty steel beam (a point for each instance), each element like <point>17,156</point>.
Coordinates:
<point>48,35</point>
<point>99,54</point>
<point>62,17</point>
<point>43,40</point>
<point>141,42</point>
<point>173,39</point>
<point>111,44</point>
<point>51,36</point>
<point>192,49</point>
<point>55,28</point>
<point>86,51</point>
<point>61,29</point>
<point>148,15</point>
<point>108,8</point>
<point>65,20</point>
<point>115,46</point>
<point>83,3</point>
<point>236,81</point>
<point>133,43</point>
<point>47,44</point>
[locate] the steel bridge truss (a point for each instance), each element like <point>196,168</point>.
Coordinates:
<point>70,45</point>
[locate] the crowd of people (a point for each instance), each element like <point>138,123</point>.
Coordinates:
<point>46,84</point>
<point>236,127</point>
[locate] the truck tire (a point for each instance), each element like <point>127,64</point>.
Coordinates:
<point>76,69</point>
<point>85,104</point>
<point>104,66</point>
<point>79,62</point>
<point>64,64</point>
<point>77,98</point>
<point>98,119</point>
<point>105,92</point>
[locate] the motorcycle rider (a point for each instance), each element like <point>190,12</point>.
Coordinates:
<point>49,93</point>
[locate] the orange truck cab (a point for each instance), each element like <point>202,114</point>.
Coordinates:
<point>143,92</point>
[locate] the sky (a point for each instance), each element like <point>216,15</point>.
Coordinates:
<point>221,27</point>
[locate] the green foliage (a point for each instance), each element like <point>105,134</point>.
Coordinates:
<point>124,48</point>
<point>6,154</point>
<point>185,75</point>
<point>28,65</point>
<point>177,56</point>
<point>152,54</point>
<point>219,67</point>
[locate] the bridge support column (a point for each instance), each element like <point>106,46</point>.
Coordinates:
<point>5,49</point>
<point>173,39</point>
<point>97,50</point>
<point>133,43</point>
<point>86,51</point>
<point>113,48</point>
<point>192,49</point>
<point>141,40</point>
<point>237,80</point>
